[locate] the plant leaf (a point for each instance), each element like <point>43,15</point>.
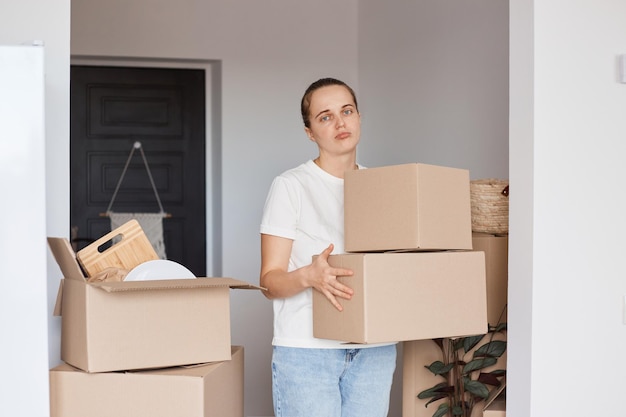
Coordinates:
<point>457,343</point>
<point>494,348</point>
<point>471,341</point>
<point>477,364</point>
<point>434,391</point>
<point>498,372</point>
<point>439,368</point>
<point>476,388</point>
<point>457,410</point>
<point>432,400</point>
<point>442,410</point>
<point>489,379</point>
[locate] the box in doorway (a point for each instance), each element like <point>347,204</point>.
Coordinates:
<point>496,250</point>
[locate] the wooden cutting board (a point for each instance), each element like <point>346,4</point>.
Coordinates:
<point>130,248</point>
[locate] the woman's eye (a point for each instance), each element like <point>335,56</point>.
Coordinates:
<point>325,118</point>
<point>347,111</point>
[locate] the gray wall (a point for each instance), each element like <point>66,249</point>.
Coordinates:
<point>433,78</point>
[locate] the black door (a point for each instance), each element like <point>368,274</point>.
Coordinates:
<point>164,110</point>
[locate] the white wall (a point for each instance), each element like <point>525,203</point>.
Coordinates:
<point>568,123</point>
<point>521,212</point>
<point>35,187</point>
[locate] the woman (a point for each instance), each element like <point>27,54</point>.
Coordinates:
<point>303,217</point>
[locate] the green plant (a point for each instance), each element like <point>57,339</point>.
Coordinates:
<point>466,382</point>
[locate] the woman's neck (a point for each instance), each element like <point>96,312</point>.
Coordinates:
<point>336,167</point>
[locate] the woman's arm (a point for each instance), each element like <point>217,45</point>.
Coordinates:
<point>279,283</point>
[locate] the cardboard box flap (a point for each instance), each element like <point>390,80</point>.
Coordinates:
<point>57,305</point>
<point>198,370</point>
<point>65,258</point>
<point>498,392</point>
<point>165,284</point>
<point>67,261</point>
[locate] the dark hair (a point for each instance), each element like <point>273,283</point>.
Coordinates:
<point>305,104</point>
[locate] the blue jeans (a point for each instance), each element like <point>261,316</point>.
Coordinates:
<point>332,382</point>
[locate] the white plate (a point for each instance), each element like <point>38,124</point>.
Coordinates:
<point>158,269</point>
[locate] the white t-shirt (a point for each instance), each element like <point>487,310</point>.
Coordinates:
<point>304,204</point>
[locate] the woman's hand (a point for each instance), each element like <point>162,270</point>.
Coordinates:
<point>279,283</point>
<point>324,278</point>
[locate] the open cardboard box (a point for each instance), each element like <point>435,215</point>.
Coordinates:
<point>141,324</point>
<point>208,390</point>
<point>405,296</point>
<point>407,207</point>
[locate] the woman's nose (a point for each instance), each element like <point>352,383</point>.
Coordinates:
<point>340,122</point>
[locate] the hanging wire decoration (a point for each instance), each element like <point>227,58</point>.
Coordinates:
<point>151,223</point>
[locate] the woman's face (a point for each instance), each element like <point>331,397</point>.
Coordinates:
<point>335,121</point>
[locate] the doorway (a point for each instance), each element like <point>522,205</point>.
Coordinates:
<point>164,109</point>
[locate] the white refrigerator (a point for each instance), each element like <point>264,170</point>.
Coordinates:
<point>23,296</point>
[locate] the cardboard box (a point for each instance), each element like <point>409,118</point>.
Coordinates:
<point>141,324</point>
<point>406,296</point>
<point>417,354</point>
<point>496,250</point>
<point>407,207</point>
<point>416,378</point>
<point>495,404</point>
<point>209,390</point>
<point>496,409</point>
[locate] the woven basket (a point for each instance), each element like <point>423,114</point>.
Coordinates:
<point>490,205</point>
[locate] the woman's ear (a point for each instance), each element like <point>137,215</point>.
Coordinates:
<point>309,134</point>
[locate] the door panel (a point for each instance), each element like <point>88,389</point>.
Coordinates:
<point>164,109</point>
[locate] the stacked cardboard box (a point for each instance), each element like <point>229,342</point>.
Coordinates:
<point>420,353</point>
<point>409,238</point>
<point>419,273</point>
<point>207,390</point>
<point>157,348</point>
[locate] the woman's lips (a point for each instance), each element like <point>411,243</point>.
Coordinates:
<point>343,135</point>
